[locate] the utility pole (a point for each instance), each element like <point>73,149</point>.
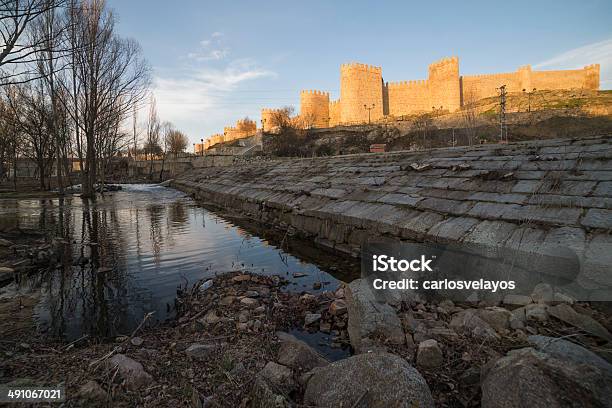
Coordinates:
<point>202,147</point>
<point>503,129</point>
<point>369,109</point>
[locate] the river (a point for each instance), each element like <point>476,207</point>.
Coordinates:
<point>127,253</point>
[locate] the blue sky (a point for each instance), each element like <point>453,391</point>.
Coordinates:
<point>217,61</point>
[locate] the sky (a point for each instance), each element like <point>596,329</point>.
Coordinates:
<point>214,62</point>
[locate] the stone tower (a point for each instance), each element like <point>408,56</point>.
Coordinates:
<point>444,89</point>
<point>591,77</point>
<point>360,85</point>
<point>314,108</point>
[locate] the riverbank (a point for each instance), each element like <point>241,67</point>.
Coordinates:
<point>229,347</point>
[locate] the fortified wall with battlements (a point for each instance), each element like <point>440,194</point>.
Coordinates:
<point>365,96</point>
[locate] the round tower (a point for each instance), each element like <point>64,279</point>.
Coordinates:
<point>361,93</point>
<point>268,119</point>
<point>314,108</point>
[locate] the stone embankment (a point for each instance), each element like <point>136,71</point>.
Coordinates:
<point>527,196</point>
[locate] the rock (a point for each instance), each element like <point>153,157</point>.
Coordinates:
<point>93,392</point>
<point>325,327</point>
<point>206,285</point>
<point>257,324</point>
<point>542,293</point>
<point>298,355</point>
<point>517,320</point>
<point>279,376</point>
<point>211,317</point>
<point>531,378</point>
<point>259,310</point>
<point>566,350</point>
<point>227,300</point>
<point>369,317</point>
<point>373,380</point>
<point>446,306</point>
<point>469,321</point>
<point>243,316</point>
<point>249,302</point>
<point>307,298</point>
<point>568,315</point>
<point>241,278</point>
<point>429,354</point>
<point>338,307</point>
<point>497,317</point>
<point>517,300</point>
<point>311,318</point>
<point>199,351</point>
<point>316,285</point>
<point>251,293</point>
<point>271,385</point>
<point>137,341</point>
<point>131,371</point>
<point>263,395</point>
<point>536,311</point>
<point>5,243</point>
<point>6,275</point>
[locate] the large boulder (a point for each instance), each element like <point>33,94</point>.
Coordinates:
<point>553,373</point>
<point>566,350</point>
<point>298,355</point>
<point>469,321</point>
<point>271,387</point>
<point>374,380</point>
<point>567,314</point>
<point>370,318</point>
<point>131,371</point>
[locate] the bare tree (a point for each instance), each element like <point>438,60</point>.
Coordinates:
<point>31,112</point>
<point>176,141</point>
<point>281,118</point>
<point>107,77</point>
<point>21,49</point>
<point>469,115</point>
<point>152,145</point>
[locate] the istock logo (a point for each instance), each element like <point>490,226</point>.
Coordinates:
<point>384,263</point>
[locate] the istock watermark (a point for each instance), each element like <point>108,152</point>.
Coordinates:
<point>480,272</point>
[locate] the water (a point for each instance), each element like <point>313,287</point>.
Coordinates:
<point>150,240</point>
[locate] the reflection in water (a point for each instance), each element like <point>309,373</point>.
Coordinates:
<point>126,254</point>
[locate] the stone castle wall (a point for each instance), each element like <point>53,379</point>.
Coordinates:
<point>444,89</point>
<point>364,96</point>
<point>244,128</point>
<point>334,113</point>
<point>314,108</point>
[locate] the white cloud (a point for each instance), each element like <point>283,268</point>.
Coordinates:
<point>198,99</point>
<point>211,49</point>
<point>596,53</point>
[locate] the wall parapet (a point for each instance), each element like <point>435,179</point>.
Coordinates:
<point>362,67</point>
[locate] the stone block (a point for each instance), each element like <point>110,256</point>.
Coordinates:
<point>417,226</point>
<point>598,218</point>
<point>451,229</point>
